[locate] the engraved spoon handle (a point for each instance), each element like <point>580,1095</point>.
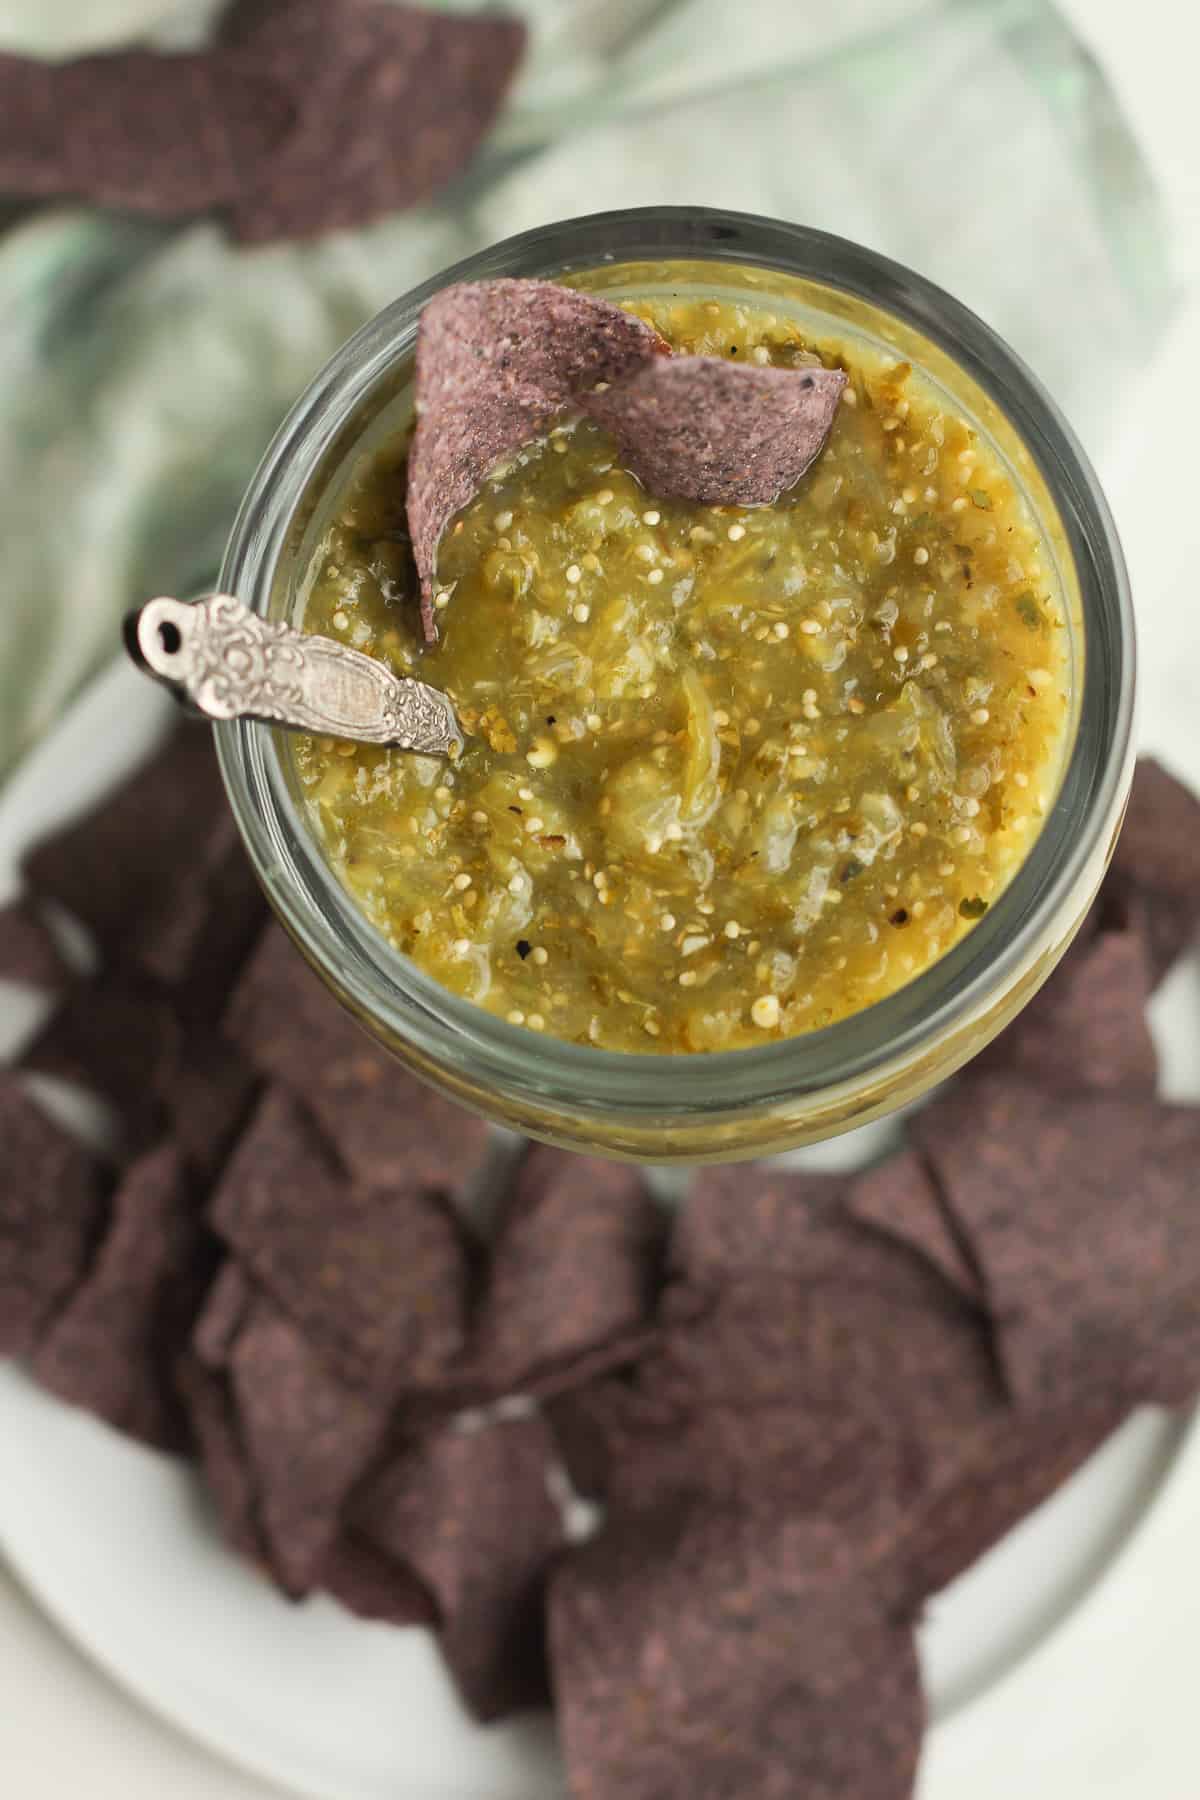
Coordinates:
<point>229,664</point>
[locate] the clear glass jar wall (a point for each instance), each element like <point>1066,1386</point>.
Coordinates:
<point>748,1102</point>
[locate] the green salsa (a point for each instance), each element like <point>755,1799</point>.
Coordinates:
<point>730,773</point>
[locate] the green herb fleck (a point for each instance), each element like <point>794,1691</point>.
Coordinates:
<point>1028,610</point>
<point>851,868</point>
<point>982,499</point>
<point>974,908</point>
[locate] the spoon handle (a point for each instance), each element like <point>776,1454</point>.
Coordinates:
<point>228,663</point>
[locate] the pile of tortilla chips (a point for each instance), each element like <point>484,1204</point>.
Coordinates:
<point>802,1404</point>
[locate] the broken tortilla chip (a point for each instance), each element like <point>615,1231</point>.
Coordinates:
<point>114,1035</point>
<point>374,1586</point>
<point>899,1198</point>
<point>1157,861</point>
<point>53,1210</point>
<point>469,1511</point>
<point>157,873</point>
<point>1082,1217</point>
<point>28,950</point>
<point>387,1126</point>
<point>226,1308</point>
<point>1007,1468</point>
<point>1086,1028</point>
<point>497,362</point>
<point>223,1463</point>
<point>306,116</point>
<point>377,1279</point>
<point>386,104</point>
<point>697,1653</point>
<point>148,133</point>
<point>720,433</point>
<point>573,1267</point>
<point>112,1347</point>
<point>307,1438</point>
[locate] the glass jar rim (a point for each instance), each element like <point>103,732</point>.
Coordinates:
<point>447,1032</point>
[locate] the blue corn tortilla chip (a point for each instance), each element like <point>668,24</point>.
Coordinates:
<point>741,1222</point>
<point>53,1211</point>
<point>307,1439</point>
<point>377,1279</point>
<point>386,1126</point>
<point>116,1036</point>
<point>497,362</point>
<point>700,428</point>
<point>573,1268</point>
<point>900,1199</point>
<point>374,1586</point>
<point>207,1100</point>
<point>1006,1468</point>
<point>307,116</point>
<point>836,1395</point>
<point>212,932</point>
<point>596,1429</point>
<point>618,1354</point>
<point>112,1346</point>
<point>157,873</point>
<point>1156,863</point>
<point>1086,1029</point>
<point>159,134</point>
<point>224,1466</point>
<point>227,1306</point>
<point>641,1451</point>
<point>697,1653</point>
<point>740,1218</point>
<point>388,103</point>
<point>28,950</point>
<point>845,1364</point>
<point>1081,1215</point>
<point>832,1383</point>
<point>469,1512</point>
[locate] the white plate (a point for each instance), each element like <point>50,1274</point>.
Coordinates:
<point>1062,1665</point>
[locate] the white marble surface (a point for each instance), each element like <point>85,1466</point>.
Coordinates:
<point>64,1729</point>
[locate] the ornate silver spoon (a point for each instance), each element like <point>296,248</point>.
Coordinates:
<point>225,662</point>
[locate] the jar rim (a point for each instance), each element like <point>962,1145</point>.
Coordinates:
<point>448,1033</point>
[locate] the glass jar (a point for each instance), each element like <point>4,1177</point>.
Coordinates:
<point>734,1103</point>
